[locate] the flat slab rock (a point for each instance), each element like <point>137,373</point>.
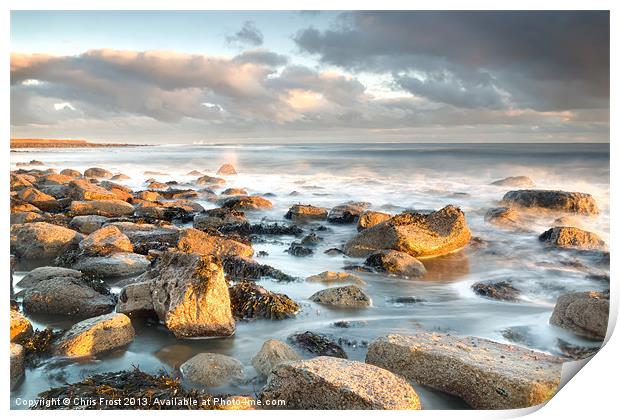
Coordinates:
<point>328,383</point>
<point>486,374</point>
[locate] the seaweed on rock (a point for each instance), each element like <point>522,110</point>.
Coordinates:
<point>250,301</point>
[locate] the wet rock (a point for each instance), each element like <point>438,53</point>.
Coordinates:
<point>334,251</point>
<point>234,191</point>
<point>213,369</point>
<point>326,383</point>
<point>71,173</point>
<point>417,234</point>
<point>571,202</point>
<point>347,213</point>
<point>105,241</point>
<point>576,352</point>
<point>42,240</point>
<point>406,300</point>
<point>347,296</point>
<point>146,236</point>
<point>331,277</point>
<point>503,216</point>
<point>196,241</point>
<point>210,180</point>
<point>120,177</point>
<point>317,344</point>
<point>227,169</point>
<point>218,217</point>
<point>241,268</point>
<point>311,239</point>
<point>66,296</point>
<point>26,217</point>
<point>43,273</point>
<point>21,328</point>
<point>182,210</point>
<point>305,213</point>
<point>107,208</point>
<point>116,265</point>
<point>515,181</point>
<point>97,173</point>
<point>396,262</point>
<point>584,313</point>
<point>96,335</point>
<point>250,202</point>
<point>190,295</point>
<point>85,190</point>
<point>370,218</point>
<point>272,229</point>
<point>135,300</point>
<point>486,374</point>
<point>155,185</point>
<point>87,224</point>
<point>251,301</point>
<point>272,353</point>
<point>17,364</point>
<point>500,290</point>
<point>298,250</point>
<point>571,237</point>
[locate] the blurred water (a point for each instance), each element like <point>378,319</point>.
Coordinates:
<point>392,177</point>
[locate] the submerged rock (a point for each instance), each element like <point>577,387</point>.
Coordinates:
<point>107,208</point>
<point>306,212</point>
<point>213,369</point>
<point>346,296</point>
<point>105,241</point>
<point>515,181</point>
<point>42,240</point>
<point>247,202</point>
<point>116,265</point>
<point>500,290</point>
<point>271,354</point>
<point>210,180</point>
<point>96,335</point>
<point>584,313</point>
<point>21,328</point>
<point>240,268</point>
<point>17,364</point>
<point>335,277</point>
<point>67,296</point>
<point>227,169</point>
<point>571,237</point>
<point>298,250</point>
<point>370,218</point>
<point>417,234</point>
<point>328,383</point>
<point>195,241</point>
<point>251,301</point>
<point>347,213</point>
<point>572,202</point>
<point>487,375</point>
<point>503,216</point>
<point>396,262</point>
<point>39,274</point>
<point>317,344</point>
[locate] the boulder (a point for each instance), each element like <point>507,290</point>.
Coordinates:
<point>26,217</point>
<point>251,301</point>
<point>105,241</point>
<point>190,295</point>
<point>21,328</point>
<point>18,182</point>
<point>503,217</point>
<point>514,181</point>
<point>67,296</point>
<point>195,241</point>
<point>43,273</point>
<point>218,217</point>
<point>317,344</point>
<point>331,277</point>
<point>85,190</point>
<point>573,221</point>
<point>584,313</point>
<point>17,364</point>
<point>486,374</point>
<point>305,213</point>
<point>87,224</point>
<point>121,192</point>
<point>107,208</point>
<point>115,265</point>
<point>347,296</point>
<point>571,202</point>
<point>213,369</point>
<point>571,237</point>
<point>296,249</point>
<point>36,198</point>
<point>347,213</point>
<point>328,383</point>
<point>120,177</point>
<point>209,180</point>
<point>148,195</point>
<point>55,179</point>
<point>135,300</point>
<point>71,173</point>
<point>417,234</point>
<point>95,335</point>
<point>97,173</point>
<point>234,191</point>
<point>155,185</point>
<point>194,173</point>
<point>227,169</point>
<point>144,236</point>
<point>247,202</point>
<point>396,262</point>
<point>370,218</point>
<point>498,290</point>
<point>271,354</point>
<point>42,240</point>
<point>18,206</point>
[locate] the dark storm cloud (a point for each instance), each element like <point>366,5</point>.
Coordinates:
<point>249,34</point>
<point>546,60</point>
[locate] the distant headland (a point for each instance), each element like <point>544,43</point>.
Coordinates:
<point>63,143</point>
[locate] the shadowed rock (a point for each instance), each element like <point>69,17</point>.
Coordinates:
<point>500,290</point>
<point>346,296</point>
<point>271,354</point>
<point>347,213</point>
<point>116,265</point>
<point>240,268</point>
<point>317,344</point>
<point>43,273</point>
<point>87,224</point>
<point>503,216</point>
<point>218,217</point>
<point>17,364</point>
<point>213,369</point>
<point>584,313</point>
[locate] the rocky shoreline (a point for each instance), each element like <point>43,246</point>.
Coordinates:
<point>19,144</point>
<point>193,272</point>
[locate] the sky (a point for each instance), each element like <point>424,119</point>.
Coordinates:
<point>284,77</point>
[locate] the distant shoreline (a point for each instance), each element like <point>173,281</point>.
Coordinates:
<point>63,143</point>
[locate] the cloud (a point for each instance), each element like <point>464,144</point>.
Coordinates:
<point>249,34</point>
<point>545,60</point>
